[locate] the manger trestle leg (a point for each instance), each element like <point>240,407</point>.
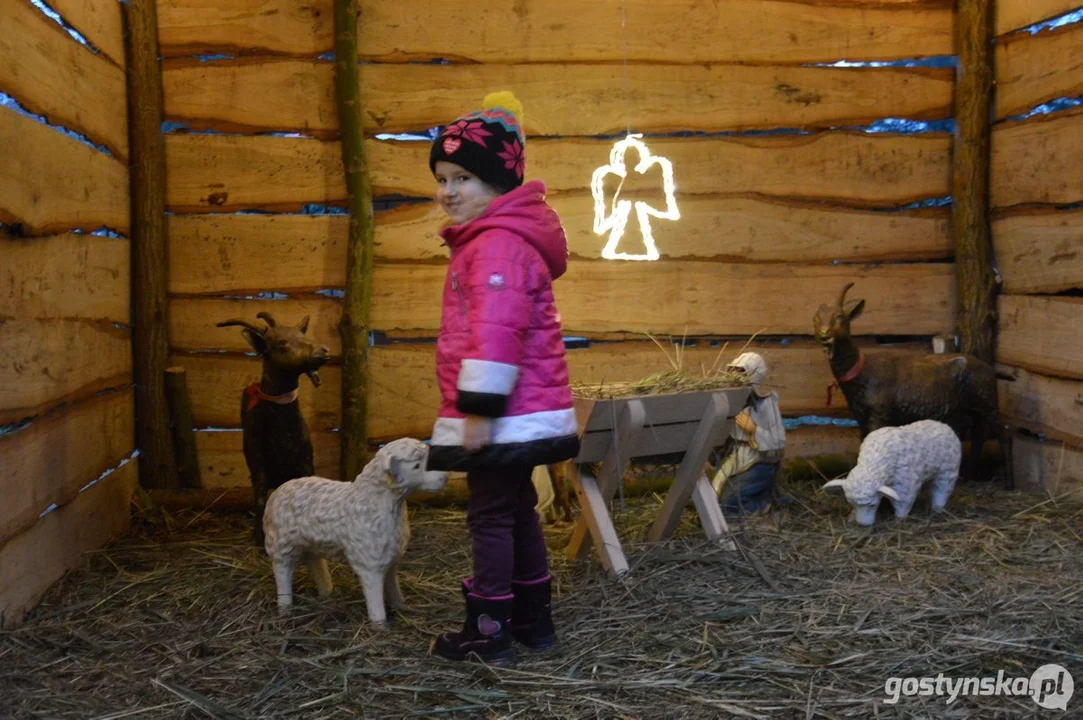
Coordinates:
<point>691,470</point>
<point>594,522</point>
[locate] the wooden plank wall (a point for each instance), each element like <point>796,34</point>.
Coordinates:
<point>1037,191</point>
<point>772,224</point>
<point>66,401</point>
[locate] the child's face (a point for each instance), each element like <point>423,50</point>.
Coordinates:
<point>461,193</point>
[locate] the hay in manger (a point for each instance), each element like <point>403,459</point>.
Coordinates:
<point>677,378</point>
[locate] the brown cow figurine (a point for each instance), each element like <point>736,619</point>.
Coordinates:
<point>277,446</point>
<point>896,387</point>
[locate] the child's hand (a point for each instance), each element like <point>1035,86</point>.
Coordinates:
<point>477,432</point>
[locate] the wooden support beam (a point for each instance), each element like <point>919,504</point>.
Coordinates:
<point>595,495</point>
<point>355,316</point>
<point>710,428</point>
<point>150,339</point>
<point>184,440</point>
<point>710,514</point>
<point>975,283</point>
<point>596,523</point>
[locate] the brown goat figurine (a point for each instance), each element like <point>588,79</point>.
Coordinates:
<point>895,387</point>
<point>277,446</point>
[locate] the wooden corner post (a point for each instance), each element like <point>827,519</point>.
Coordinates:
<point>150,321</point>
<point>358,300</point>
<point>976,286</point>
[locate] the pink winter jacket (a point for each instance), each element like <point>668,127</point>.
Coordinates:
<point>500,352</point>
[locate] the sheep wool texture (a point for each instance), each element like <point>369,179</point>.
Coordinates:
<point>903,459</point>
<point>313,519</point>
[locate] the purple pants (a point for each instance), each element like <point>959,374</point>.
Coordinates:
<point>505,530</point>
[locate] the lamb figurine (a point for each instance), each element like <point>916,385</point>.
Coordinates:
<point>311,519</point>
<point>895,462</point>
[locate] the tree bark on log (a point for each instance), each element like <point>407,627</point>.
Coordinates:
<point>184,440</point>
<point>149,272</point>
<point>355,316</point>
<point>976,286</point>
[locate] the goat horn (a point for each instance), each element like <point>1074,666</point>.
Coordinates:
<point>266,316</point>
<point>842,295</point>
<point>242,323</point>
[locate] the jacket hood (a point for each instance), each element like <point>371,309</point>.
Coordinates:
<point>522,211</point>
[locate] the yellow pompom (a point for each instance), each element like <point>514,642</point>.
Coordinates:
<point>504,99</point>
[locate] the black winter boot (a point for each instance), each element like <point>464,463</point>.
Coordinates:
<point>531,614</point>
<point>484,634</point>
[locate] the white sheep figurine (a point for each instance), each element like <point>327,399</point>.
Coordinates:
<point>895,462</point>
<point>312,519</point>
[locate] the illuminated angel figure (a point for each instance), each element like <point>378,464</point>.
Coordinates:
<point>617,220</point>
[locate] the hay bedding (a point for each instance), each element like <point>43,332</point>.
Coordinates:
<point>808,620</point>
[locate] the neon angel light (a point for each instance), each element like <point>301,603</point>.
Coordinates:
<point>616,222</point>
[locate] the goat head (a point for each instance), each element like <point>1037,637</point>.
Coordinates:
<point>831,324</point>
<point>286,349</point>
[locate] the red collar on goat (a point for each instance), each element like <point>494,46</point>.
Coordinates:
<point>255,395</point>
<point>855,370</point>
<point>851,374</point>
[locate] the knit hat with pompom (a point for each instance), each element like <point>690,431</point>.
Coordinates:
<point>488,143</point>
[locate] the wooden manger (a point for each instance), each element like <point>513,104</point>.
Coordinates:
<point>613,431</point>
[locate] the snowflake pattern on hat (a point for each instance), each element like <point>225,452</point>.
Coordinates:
<point>488,143</point>
<point>471,130</point>
<point>514,157</point>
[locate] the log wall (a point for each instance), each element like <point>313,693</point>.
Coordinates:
<point>66,401</point>
<point>784,198</point>
<point>1037,191</point>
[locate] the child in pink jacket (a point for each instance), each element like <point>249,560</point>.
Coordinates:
<point>506,404</point>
